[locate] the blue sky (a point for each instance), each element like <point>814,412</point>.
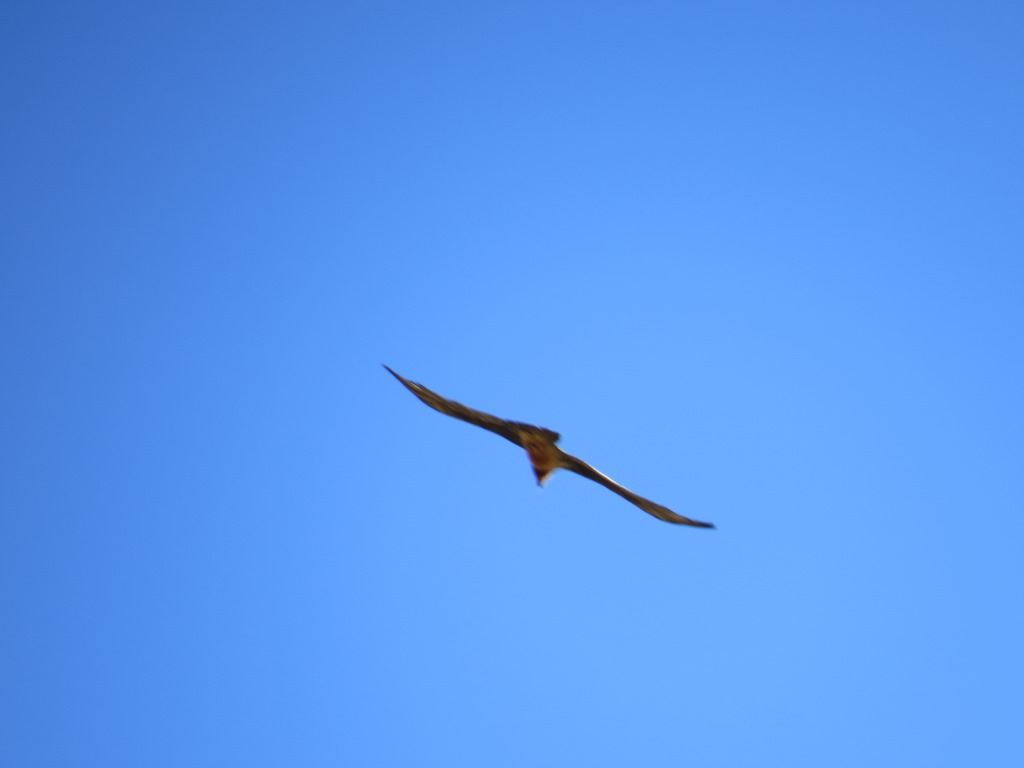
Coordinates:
<point>763,263</point>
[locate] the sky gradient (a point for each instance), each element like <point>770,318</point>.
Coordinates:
<point>762,263</point>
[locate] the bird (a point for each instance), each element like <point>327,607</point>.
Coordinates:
<point>541,447</point>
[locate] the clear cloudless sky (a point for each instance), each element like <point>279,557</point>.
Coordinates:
<point>761,262</point>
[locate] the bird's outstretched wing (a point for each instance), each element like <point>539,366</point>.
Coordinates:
<point>580,467</point>
<point>510,430</point>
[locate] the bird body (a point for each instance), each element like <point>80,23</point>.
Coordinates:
<point>540,445</point>
<point>545,456</point>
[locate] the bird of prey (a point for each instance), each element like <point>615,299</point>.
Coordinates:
<point>540,445</point>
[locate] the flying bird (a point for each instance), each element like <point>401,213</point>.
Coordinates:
<point>540,445</point>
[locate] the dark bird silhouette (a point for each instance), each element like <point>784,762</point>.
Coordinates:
<point>540,445</point>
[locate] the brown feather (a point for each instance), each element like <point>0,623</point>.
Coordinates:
<point>581,467</point>
<point>545,456</point>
